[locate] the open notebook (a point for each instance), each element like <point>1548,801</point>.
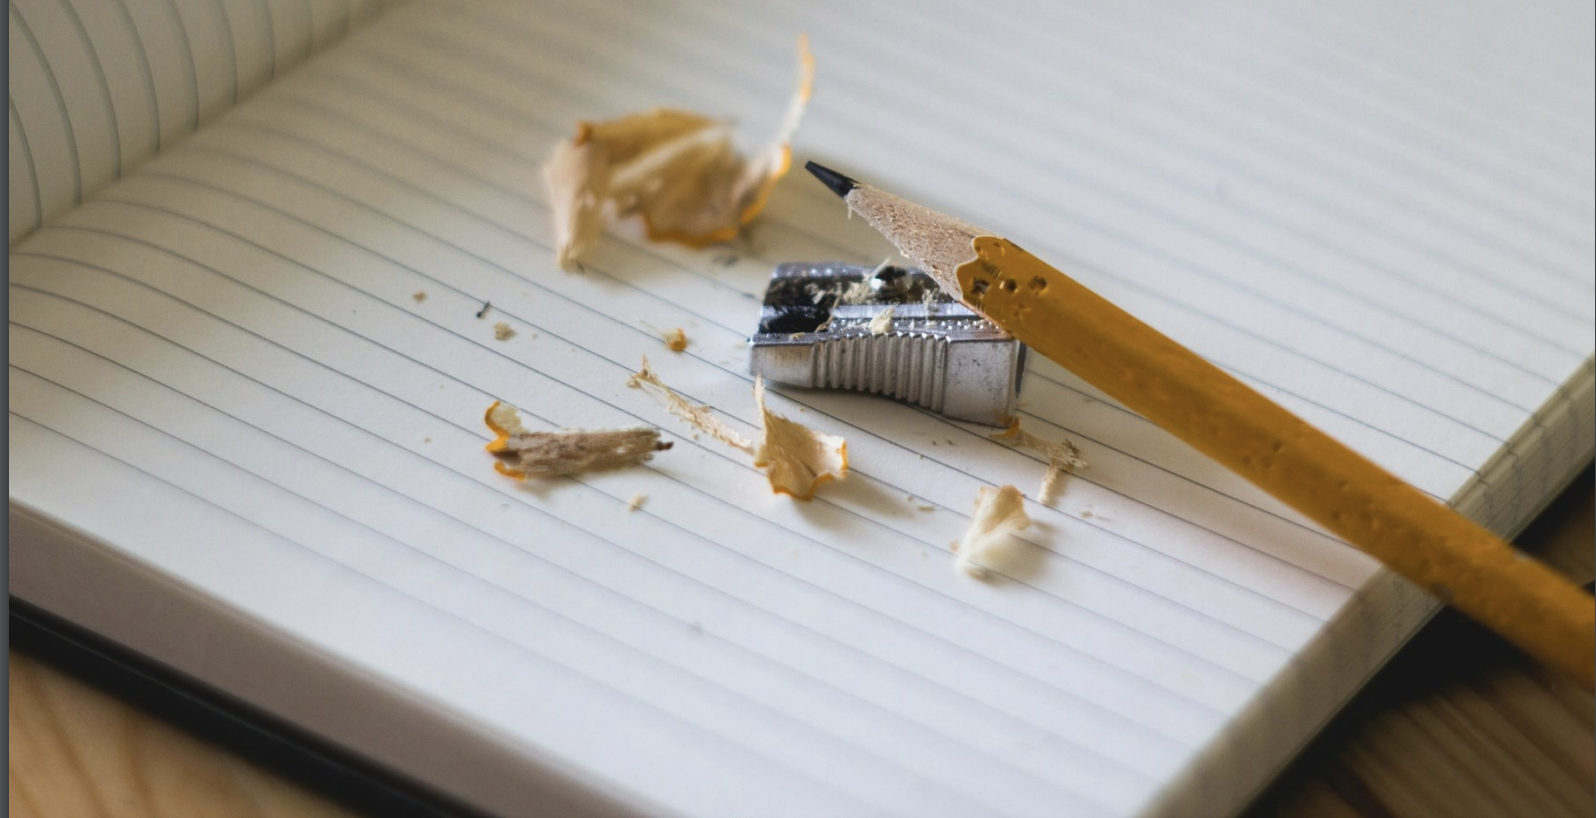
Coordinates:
<point>242,445</point>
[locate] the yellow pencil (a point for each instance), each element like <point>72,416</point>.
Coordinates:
<point>1459,562</point>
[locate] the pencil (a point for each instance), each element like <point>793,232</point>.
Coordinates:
<point>1459,562</point>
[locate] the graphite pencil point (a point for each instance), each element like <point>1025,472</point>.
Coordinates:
<point>838,183</point>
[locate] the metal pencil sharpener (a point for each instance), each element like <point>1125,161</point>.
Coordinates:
<point>822,327</point>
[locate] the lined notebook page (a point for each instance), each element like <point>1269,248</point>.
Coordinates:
<point>1396,246</point>
<point>98,86</point>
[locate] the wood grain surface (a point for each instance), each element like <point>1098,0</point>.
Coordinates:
<point>1459,725</point>
<point>77,752</point>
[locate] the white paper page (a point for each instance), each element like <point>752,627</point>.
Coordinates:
<point>98,86</point>
<point>239,320</point>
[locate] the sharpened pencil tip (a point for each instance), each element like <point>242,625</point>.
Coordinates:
<point>838,183</point>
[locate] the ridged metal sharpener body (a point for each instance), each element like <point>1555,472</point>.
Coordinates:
<point>821,327</point>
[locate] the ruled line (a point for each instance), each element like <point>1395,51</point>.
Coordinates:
<point>694,311</point>
<point>1505,80</point>
<point>624,368</point>
<point>729,74</point>
<point>1387,111</point>
<point>502,67</point>
<point>249,124</point>
<point>741,466</point>
<point>314,184</point>
<point>271,37</point>
<point>1148,685</point>
<point>82,80</point>
<point>188,61</point>
<point>713,451</point>
<point>961,748</point>
<point>333,76</point>
<point>225,215</point>
<point>1431,172</point>
<point>460,91</point>
<point>419,231</point>
<point>1018,112</point>
<point>104,85</point>
<point>1465,230</point>
<point>145,70</point>
<point>1144,732</point>
<point>519,648</point>
<point>60,101</point>
<point>32,170</point>
<point>226,22</point>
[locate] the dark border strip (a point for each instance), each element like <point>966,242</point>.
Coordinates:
<point>160,691</point>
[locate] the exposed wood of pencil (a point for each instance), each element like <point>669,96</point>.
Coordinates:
<point>1437,548</point>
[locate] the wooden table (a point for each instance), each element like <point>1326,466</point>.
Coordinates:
<point>1458,725</point>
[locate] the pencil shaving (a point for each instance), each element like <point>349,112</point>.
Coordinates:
<point>679,171</point>
<point>882,323</point>
<point>858,292</point>
<point>796,458</point>
<point>999,514</point>
<point>576,176</point>
<point>699,416</point>
<point>1062,457</point>
<point>524,454</point>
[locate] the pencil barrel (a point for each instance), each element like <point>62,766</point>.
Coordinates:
<point>1426,542</point>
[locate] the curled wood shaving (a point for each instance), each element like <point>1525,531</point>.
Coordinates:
<point>676,340</point>
<point>860,291</point>
<point>882,323</point>
<point>796,458</point>
<point>505,421</point>
<point>1061,457</point>
<point>678,170</point>
<point>577,176</point>
<point>999,514</point>
<point>701,417</point>
<point>856,293</point>
<point>568,451</point>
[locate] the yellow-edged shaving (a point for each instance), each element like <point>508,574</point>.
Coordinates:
<point>796,458</point>
<point>524,453</point>
<point>679,171</point>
